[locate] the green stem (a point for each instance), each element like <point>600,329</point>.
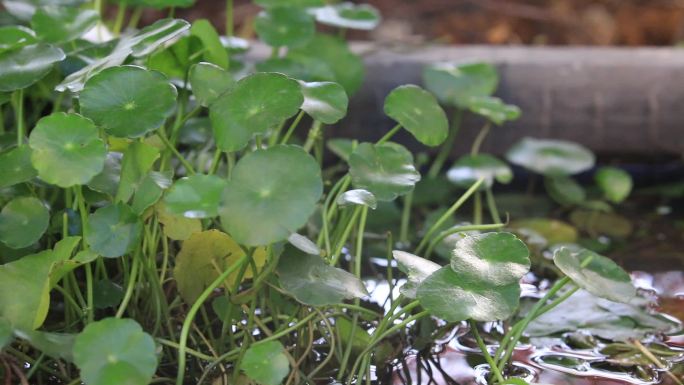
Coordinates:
<point>345,235</point>
<point>19,116</point>
<point>188,167</point>
<point>491,205</point>
<point>215,162</point>
<point>120,16</point>
<point>406,218</point>
<point>135,18</point>
<point>389,134</point>
<point>291,129</point>
<point>314,134</point>
<point>477,208</point>
<point>492,365</point>
<point>229,18</point>
<point>132,278</point>
<point>88,269</point>
<point>447,146</point>
<point>477,144</point>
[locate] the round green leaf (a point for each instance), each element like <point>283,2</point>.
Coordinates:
<point>324,101</point>
<point>551,157</point>
<point>208,82</point>
<point>67,149</point>
<point>314,282</point>
<point>113,230</point>
<point>284,26</point>
<point>114,351</point>
<point>615,183</point>
<point>270,195</point>
<point>417,269</point>
<point>22,67</point>
<point>553,231</point>
<point>256,103</point>
<point>455,297</point>
<point>357,197</point>
<point>107,294</point>
<point>23,221</point>
<point>348,15</point>
<point>386,170</point>
<point>16,166</point>
<point>128,101</point>
<point>470,168</point>
<point>496,259</point>
<point>15,36</point>
<point>418,111</point>
<point>456,84</point>
<point>564,190</point>
<point>196,196</point>
<point>55,24</point>
<point>494,109</point>
<point>596,274</point>
<point>266,363</point>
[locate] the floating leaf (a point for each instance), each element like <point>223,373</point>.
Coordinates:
<point>596,274</point>
<point>16,166</point>
<point>470,168</point>
<point>494,109</point>
<point>209,82</point>
<point>416,268</point>
<point>313,282</point>
<point>418,111</point>
<point>23,221</point>
<point>214,51</point>
<point>196,196</point>
<point>497,259</point>
<point>564,190</point>
<point>128,101</point>
<point>177,227</point>
<point>15,36</point>
<point>22,67</point>
<point>386,170</point>
<point>284,26</point>
<point>615,183</point>
<point>55,24</point>
<point>114,350</point>
<point>357,197</point>
<point>551,157</point>
<point>114,230</point>
<point>324,101</point>
<point>456,84</point>
<point>304,244</point>
<point>266,363</point>
<point>553,231</point>
<point>348,15</point>
<point>271,194</point>
<point>256,103</point>
<point>67,149</point>
<point>137,162</point>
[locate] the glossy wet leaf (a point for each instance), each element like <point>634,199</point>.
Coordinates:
<point>115,348</point>
<point>324,101</point>
<point>209,82</point>
<point>386,170</point>
<point>107,181</point>
<point>271,194</point>
<point>357,197</point>
<point>23,221</point>
<point>553,231</point>
<point>137,161</point>
<point>266,363</point>
<point>284,26</point>
<point>16,166</point>
<point>177,227</point>
<point>418,112</point>
<point>551,157</point>
<point>313,282</point>
<point>128,101</point>
<point>23,67</point>
<point>615,183</point>
<point>196,196</point>
<point>564,190</point>
<point>66,149</point>
<point>457,297</point>
<point>497,258</point>
<point>304,244</point>
<point>417,269</point>
<point>57,24</point>
<point>348,15</point>
<point>470,168</point>
<point>456,84</point>
<point>493,109</point>
<point>603,223</point>
<point>256,103</point>
<point>596,274</point>
<point>15,36</point>
<point>214,51</point>
<point>114,230</point>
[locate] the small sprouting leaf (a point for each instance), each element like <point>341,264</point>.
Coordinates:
<point>256,103</point>
<point>113,230</point>
<point>456,84</point>
<point>357,197</point>
<point>15,36</point>
<point>324,101</point>
<point>137,161</point>
<point>313,282</point>
<point>496,259</point>
<point>418,112</point>
<point>416,268</point>
<point>23,221</point>
<point>615,183</point>
<point>114,350</point>
<point>348,15</point>
<point>470,168</point>
<point>303,243</point>
<point>128,101</point>
<point>596,274</point>
<point>564,190</point>
<point>551,157</point>
<point>209,81</point>
<point>67,149</point>
<point>22,67</point>
<point>386,170</point>
<point>266,363</point>
<point>285,26</point>
<point>553,231</point>
<point>214,51</point>
<point>176,227</point>
<point>494,109</point>
<point>196,196</point>
<point>271,194</point>
<point>56,24</point>
<point>16,166</point>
